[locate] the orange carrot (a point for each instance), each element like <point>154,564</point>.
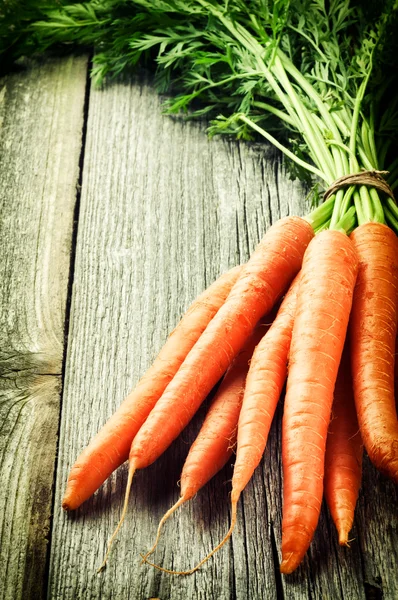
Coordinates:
<point>217,437</point>
<point>110,447</point>
<point>264,278</point>
<point>373,331</point>
<point>344,450</point>
<point>324,302</point>
<point>265,381</point>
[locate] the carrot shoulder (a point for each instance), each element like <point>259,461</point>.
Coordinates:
<point>373,330</point>
<point>344,450</point>
<point>324,302</point>
<point>264,278</point>
<point>110,447</point>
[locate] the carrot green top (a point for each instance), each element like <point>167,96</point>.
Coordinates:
<point>315,79</point>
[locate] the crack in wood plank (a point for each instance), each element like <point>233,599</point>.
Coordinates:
<point>41,115</point>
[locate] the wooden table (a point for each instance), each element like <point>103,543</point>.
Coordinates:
<point>113,218</point>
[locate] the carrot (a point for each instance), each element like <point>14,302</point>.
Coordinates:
<point>216,439</point>
<point>265,381</point>
<point>373,331</point>
<point>344,450</point>
<point>324,302</point>
<point>264,278</point>
<point>110,447</point>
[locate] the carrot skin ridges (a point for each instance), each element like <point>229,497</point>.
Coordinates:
<point>344,450</point>
<point>373,330</point>
<point>264,384</point>
<point>324,302</point>
<point>110,447</point>
<point>396,373</point>
<point>216,439</point>
<point>264,278</point>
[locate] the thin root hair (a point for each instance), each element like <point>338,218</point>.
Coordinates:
<point>206,558</point>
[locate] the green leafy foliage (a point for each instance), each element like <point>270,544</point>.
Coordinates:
<point>314,77</point>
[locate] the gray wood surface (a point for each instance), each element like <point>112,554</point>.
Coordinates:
<point>41,119</point>
<point>163,211</point>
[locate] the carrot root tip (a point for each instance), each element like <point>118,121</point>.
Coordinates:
<point>343,539</point>
<point>289,563</point>
<point>206,558</point>
<point>347,542</point>
<point>124,511</point>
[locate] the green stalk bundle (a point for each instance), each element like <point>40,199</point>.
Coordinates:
<point>314,78</point>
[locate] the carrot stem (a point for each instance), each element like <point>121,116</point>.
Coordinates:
<point>322,213</point>
<point>347,221</point>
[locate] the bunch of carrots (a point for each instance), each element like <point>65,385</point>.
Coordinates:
<point>333,338</point>
<point>316,79</point>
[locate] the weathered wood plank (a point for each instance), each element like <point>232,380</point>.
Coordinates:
<point>41,119</point>
<point>377,533</point>
<point>163,212</point>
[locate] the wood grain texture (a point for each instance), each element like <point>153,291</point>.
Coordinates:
<point>41,119</point>
<point>163,212</point>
